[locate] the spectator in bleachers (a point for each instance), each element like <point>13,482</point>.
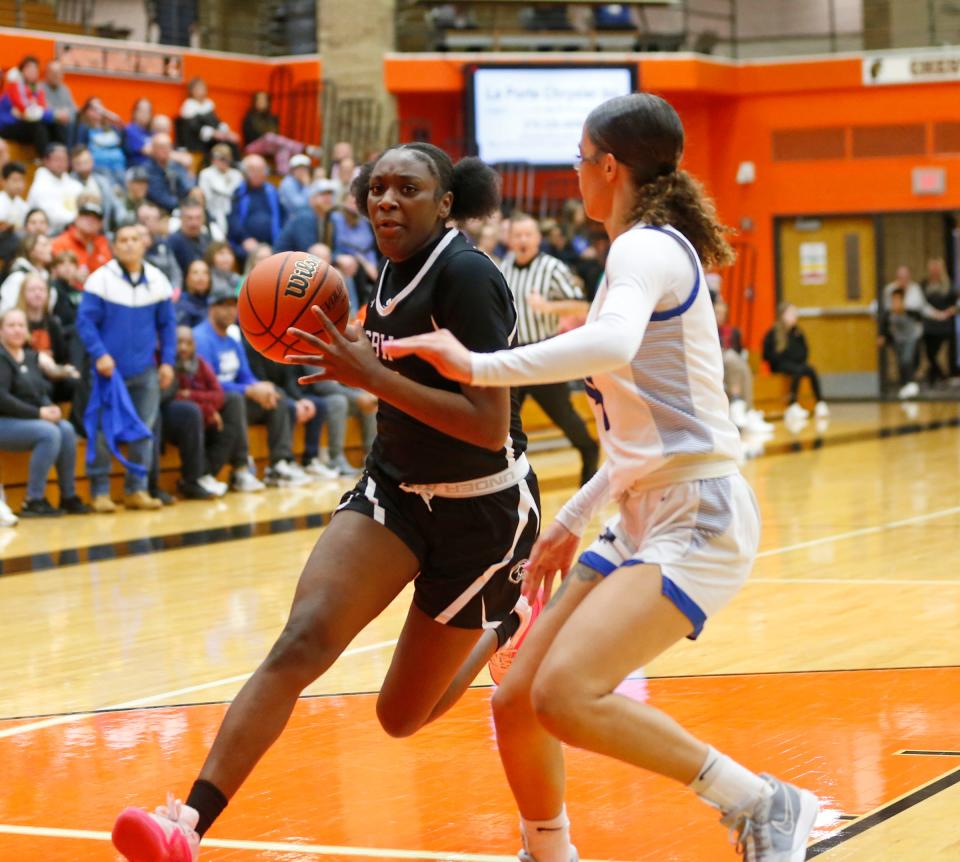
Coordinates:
<point>159,252</point>
<point>353,237</point>
<point>340,402</point>
<point>47,336</point>
<point>263,403</point>
<point>168,180</point>
<point>255,214</point>
<point>941,295</point>
<point>200,125</point>
<point>13,211</point>
<point>36,252</point>
<point>220,182</point>
<point>556,244</point>
<point>346,172</point>
<point>295,186</point>
<point>30,421</point>
<point>261,253</point>
<point>161,124</point>
<point>488,241</point>
<point>86,240</point>
<point>127,205</point>
<point>66,293</point>
<point>785,351</point>
<point>36,223</point>
<point>53,189</point>
<point>738,375</point>
<point>190,242</point>
<point>96,186</point>
<point>305,408</point>
<point>261,135</point>
<point>224,414</point>
<point>101,131</point>
<point>901,331</point>
<point>125,320</point>
<point>223,267</point>
<point>136,134</point>
<point>24,114</point>
<point>191,307</point>
<point>311,225</point>
<point>341,150</point>
<point>57,92</point>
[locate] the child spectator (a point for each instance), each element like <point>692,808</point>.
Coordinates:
<point>24,114</point>
<point>200,125</point>
<point>13,211</point>
<point>53,189</point>
<point>902,331</point>
<point>223,268</point>
<point>220,182</point>
<point>86,240</point>
<point>29,421</point>
<point>785,351</point>
<point>36,253</point>
<point>262,402</point>
<point>191,307</point>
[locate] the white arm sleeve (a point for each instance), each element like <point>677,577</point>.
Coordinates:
<point>644,268</point>
<point>582,506</point>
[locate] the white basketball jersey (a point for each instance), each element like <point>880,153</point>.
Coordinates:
<point>665,417</point>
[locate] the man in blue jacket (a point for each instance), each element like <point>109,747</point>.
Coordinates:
<point>168,181</point>
<point>312,225</point>
<point>256,215</point>
<point>125,318</point>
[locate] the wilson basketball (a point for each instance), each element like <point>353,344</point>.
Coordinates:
<point>279,293</point>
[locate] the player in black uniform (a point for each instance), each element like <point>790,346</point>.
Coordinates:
<point>447,496</point>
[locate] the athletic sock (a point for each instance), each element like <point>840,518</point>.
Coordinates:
<point>726,784</point>
<point>507,628</point>
<point>548,840</point>
<point>207,800</point>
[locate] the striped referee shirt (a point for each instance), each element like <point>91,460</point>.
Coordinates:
<point>546,276</point>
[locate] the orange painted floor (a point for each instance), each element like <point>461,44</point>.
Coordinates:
<point>337,787</point>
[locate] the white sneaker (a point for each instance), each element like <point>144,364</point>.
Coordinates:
<point>245,482</point>
<point>7,518</point>
<point>776,827</point>
<point>822,411</point>
<point>169,835</point>
<point>796,413</point>
<point>317,468</point>
<point>738,412</point>
<point>285,474</point>
<point>909,390</point>
<point>212,485</point>
<point>756,424</point>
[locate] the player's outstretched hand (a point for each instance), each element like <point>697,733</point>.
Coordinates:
<point>441,349</point>
<point>345,357</point>
<point>553,552</point>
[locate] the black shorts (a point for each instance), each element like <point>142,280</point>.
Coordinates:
<point>471,550</point>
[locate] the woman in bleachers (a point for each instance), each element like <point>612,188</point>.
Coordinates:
<point>36,223</point>
<point>261,135</point>
<point>785,351</point>
<point>136,134</point>
<point>191,307</point>
<point>24,115</point>
<point>29,421</point>
<point>223,266</point>
<point>219,181</point>
<point>47,336</point>
<point>36,253</point>
<point>101,131</point>
<point>200,129</point>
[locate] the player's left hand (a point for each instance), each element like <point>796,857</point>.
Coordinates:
<point>346,357</point>
<point>441,349</point>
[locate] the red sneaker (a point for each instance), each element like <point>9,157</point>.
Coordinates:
<point>169,835</point>
<point>500,661</point>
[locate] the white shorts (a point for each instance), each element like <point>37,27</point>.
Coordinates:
<point>702,534</point>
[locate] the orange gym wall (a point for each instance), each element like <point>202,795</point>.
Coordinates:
<point>730,112</point>
<point>231,79</point>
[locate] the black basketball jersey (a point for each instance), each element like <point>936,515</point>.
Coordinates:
<point>448,285</point>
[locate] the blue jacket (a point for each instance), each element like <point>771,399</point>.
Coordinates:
<point>186,250</point>
<point>293,196</point>
<point>226,356</point>
<point>255,213</point>
<point>166,188</point>
<point>303,230</point>
<point>191,309</point>
<point>134,140</point>
<point>129,321</point>
<point>110,410</point>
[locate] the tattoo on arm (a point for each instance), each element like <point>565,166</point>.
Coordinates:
<point>583,573</point>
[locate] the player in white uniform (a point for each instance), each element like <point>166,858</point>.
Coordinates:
<point>687,531</point>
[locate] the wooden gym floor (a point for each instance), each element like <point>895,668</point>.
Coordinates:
<point>837,666</point>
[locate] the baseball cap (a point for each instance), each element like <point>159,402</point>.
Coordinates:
<point>91,208</point>
<point>138,174</point>
<point>300,161</point>
<point>323,187</point>
<point>221,293</point>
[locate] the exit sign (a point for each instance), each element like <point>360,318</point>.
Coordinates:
<point>929,181</point>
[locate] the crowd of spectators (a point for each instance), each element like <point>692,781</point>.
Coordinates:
<point>120,265</point>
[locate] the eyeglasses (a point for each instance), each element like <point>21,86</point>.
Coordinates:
<point>581,159</point>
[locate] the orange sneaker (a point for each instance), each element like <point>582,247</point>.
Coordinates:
<point>169,835</point>
<point>500,661</point>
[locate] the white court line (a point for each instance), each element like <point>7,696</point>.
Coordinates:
<point>164,695</point>
<point>281,847</point>
<point>897,582</point>
<point>863,531</point>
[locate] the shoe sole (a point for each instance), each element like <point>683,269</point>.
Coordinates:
<point>809,809</point>
<point>139,839</point>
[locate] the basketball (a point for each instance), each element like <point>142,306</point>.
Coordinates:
<point>279,293</point>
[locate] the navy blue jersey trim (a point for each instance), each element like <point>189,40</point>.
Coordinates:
<point>680,309</point>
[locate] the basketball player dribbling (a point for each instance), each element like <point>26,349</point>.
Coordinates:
<point>447,497</point>
<point>688,527</point>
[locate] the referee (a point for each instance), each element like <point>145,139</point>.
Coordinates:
<point>543,290</point>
